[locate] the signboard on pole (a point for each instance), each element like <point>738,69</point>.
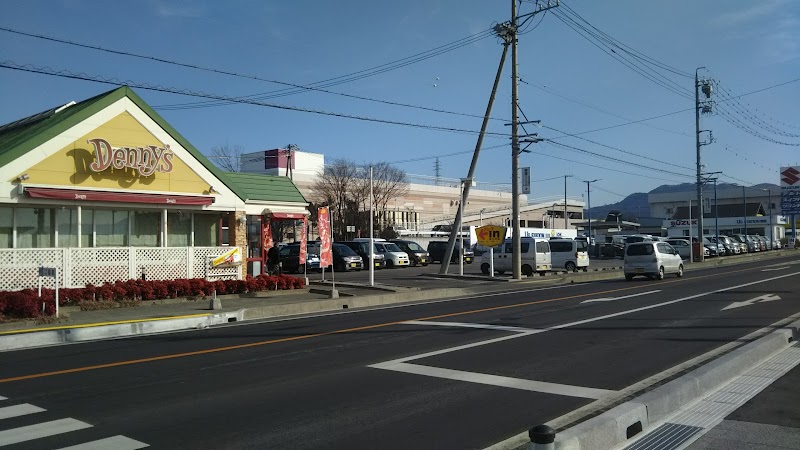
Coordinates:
<point>790,190</point>
<point>525,179</point>
<point>232,257</point>
<point>324,227</point>
<point>490,235</point>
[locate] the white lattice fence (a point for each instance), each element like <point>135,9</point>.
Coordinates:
<point>99,265</point>
<point>162,263</point>
<point>19,268</point>
<point>202,267</point>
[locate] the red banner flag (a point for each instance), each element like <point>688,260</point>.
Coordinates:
<point>324,228</point>
<point>266,232</point>
<point>303,241</point>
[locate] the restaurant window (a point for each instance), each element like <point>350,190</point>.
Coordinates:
<point>87,224</point>
<point>145,228</point>
<point>35,227</point>
<point>111,228</point>
<point>179,229</point>
<point>67,227</point>
<point>6,227</point>
<point>206,230</point>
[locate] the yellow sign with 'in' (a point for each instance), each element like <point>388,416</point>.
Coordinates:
<point>490,235</point>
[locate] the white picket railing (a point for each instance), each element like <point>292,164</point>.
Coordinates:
<point>78,267</point>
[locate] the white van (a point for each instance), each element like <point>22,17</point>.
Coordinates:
<point>569,254</point>
<point>535,256</point>
<point>652,259</point>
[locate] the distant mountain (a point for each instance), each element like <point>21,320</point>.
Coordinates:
<point>635,205</point>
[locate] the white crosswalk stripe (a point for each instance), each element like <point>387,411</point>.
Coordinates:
<point>40,430</point>
<point>19,410</point>
<point>115,442</point>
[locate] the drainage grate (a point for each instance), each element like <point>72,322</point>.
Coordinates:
<point>666,437</point>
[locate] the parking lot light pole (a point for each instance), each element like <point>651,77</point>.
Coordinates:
<point>771,228</point>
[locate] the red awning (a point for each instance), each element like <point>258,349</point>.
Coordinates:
<point>125,197</point>
<point>274,215</point>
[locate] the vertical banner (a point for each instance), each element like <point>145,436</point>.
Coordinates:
<point>266,232</point>
<point>303,241</point>
<point>324,227</point>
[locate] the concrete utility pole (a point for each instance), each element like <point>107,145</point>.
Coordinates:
<point>705,107</point>
<point>516,242</point>
<point>566,224</point>
<point>503,31</point>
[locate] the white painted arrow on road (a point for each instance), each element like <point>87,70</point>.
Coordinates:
<point>611,299</point>
<point>761,299</point>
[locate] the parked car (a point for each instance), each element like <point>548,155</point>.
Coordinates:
<point>765,243</point>
<point>652,259</point>
<point>437,248</point>
<point>393,255</point>
<point>361,247</point>
<point>776,244</point>
<point>731,247</point>
<point>682,246</point>
<point>569,254</point>
<point>743,242</point>
<point>290,260</point>
<point>535,256</point>
<point>416,254</point>
<point>344,258</point>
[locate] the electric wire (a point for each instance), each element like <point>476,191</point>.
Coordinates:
<point>645,71</point>
<point>158,88</point>
<point>737,106</point>
<point>617,160</point>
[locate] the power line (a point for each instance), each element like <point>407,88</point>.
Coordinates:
<point>299,88</point>
<point>749,115</point>
<point>615,148</point>
<point>113,81</point>
<point>617,160</point>
<point>602,43</point>
<point>604,111</point>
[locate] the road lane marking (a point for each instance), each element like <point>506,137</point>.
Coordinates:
<point>40,430</point>
<point>776,268</point>
<point>611,299</point>
<point>397,364</point>
<point>19,410</point>
<point>3,398</point>
<point>470,325</point>
<point>752,301</point>
<point>367,327</point>
<point>118,442</point>
<point>499,381</point>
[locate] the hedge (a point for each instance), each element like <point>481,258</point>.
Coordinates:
<point>26,303</point>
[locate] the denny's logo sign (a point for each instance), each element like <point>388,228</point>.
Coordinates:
<point>146,160</point>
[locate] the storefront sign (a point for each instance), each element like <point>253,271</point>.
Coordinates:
<point>682,223</point>
<point>790,190</point>
<point>146,160</point>
<point>232,257</point>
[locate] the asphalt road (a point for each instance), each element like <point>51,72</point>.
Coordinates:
<point>460,373</point>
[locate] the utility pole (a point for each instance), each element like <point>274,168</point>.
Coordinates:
<point>566,225</point>
<point>516,242</point>
<point>502,30</point>
<point>705,107</point>
<point>589,209</point>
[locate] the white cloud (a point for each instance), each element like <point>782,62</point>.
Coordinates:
<point>743,16</point>
<point>187,9</point>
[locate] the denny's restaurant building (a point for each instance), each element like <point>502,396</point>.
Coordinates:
<point>106,190</point>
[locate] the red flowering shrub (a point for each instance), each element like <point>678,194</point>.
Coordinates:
<point>27,304</point>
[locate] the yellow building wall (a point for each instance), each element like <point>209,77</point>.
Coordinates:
<point>69,167</point>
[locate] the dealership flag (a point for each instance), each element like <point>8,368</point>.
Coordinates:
<point>324,228</point>
<point>303,241</point>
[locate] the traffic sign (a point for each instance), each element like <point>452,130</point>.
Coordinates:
<point>490,235</point>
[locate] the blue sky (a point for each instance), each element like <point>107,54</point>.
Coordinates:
<point>567,81</point>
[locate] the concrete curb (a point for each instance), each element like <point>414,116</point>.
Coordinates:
<point>113,330</point>
<point>615,426</point>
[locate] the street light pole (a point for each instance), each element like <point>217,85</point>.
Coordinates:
<point>566,225</point>
<point>771,228</point>
<point>589,209</point>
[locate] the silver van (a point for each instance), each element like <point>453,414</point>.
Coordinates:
<point>535,255</point>
<point>652,259</point>
<point>569,254</point>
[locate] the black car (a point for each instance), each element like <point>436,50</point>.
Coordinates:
<point>344,258</point>
<point>416,254</point>
<point>362,249</point>
<point>437,249</point>
<point>290,259</point>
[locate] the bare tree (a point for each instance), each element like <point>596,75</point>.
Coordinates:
<point>227,157</point>
<point>388,183</point>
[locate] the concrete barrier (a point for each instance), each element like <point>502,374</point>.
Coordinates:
<point>113,330</point>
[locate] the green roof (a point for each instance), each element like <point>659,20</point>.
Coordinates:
<point>260,187</point>
<point>20,137</point>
